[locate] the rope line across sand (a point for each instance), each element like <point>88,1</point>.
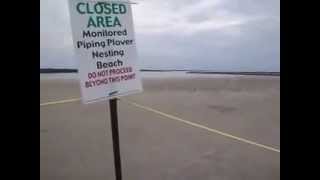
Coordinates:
<point>176,119</point>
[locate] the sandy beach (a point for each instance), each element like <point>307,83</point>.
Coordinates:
<point>76,139</point>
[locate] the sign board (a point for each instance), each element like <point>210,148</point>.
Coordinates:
<point>104,43</point>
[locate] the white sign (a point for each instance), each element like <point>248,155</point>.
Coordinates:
<point>104,43</point>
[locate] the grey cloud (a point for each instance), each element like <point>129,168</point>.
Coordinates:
<point>255,48</point>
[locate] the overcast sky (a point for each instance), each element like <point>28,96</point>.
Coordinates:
<point>219,35</point>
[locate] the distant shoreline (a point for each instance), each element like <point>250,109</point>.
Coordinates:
<point>238,73</point>
<point>58,70</point>
<point>49,70</point>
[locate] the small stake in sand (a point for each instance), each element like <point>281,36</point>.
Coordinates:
<point>115,137</point>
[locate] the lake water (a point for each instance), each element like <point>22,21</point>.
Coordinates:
<point>171,74</point>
